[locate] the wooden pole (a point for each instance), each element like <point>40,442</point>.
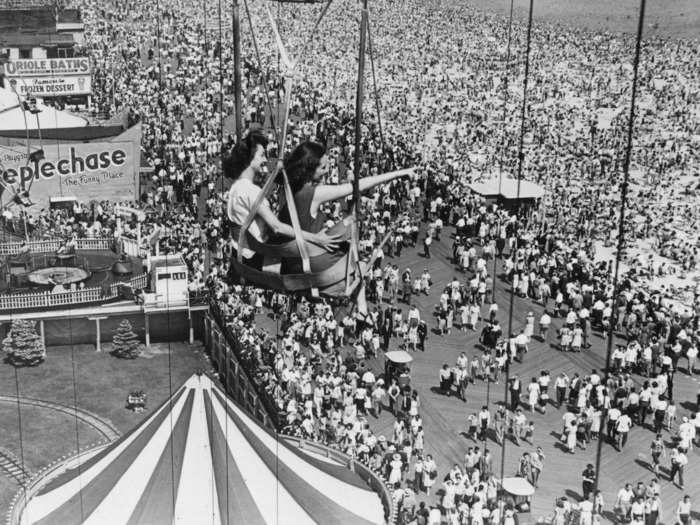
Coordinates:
<point>237,68</point>
<point>621,228</point>
<point>358,113</point>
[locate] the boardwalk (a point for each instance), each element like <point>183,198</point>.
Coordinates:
<point>444,418</point>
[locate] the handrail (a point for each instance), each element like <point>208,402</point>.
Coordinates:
<point>373,478</point>
<point>234,345</point>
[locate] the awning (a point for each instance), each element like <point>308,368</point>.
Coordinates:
<point>508,189</point>
<point>199,458</point>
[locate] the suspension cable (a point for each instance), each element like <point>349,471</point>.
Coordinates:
<point>266,78</point>
<point>621,223</point>
<point>377,101</point>
<point>521,157</point>
<point>221,159</point>
<point>503,134</point>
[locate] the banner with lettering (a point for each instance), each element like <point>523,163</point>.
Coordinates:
<point>49,77</point>
<point>86,171</point>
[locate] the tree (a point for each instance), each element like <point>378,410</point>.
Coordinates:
<point>23,345</point>
<point>125,341</point>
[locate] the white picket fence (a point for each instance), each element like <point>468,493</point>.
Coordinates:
<point>73,297</point>
<point>52,245</point>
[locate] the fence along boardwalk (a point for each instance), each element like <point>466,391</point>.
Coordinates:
<point>444,417</point>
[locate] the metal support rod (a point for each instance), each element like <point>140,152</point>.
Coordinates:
<point>358,112</point>
<point>237,68</point>
<point>621,226</point>
<point>503,141</point>
<point>521,157</point>
<point>376,92</point>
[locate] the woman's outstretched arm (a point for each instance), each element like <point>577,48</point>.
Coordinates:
<point>331,192</point>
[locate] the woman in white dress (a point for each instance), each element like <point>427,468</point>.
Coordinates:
<point>474,312</point>
<point>395,474</point>
<point>429,473</point>
<point>571,437</point>
<point>464,317</point>
<point>533,393</point>
<point>576,339</point>
<point>530,326</point>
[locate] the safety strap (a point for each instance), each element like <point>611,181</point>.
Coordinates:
<point>290,66</point>
<point>298,233</point>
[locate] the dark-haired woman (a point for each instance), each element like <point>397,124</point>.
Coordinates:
<point>306,167</point>
<point>247,159</point>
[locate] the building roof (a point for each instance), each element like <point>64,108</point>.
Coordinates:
<point>12,117</point>
<point>39,39</point>
<point>35,19</point>
<point>508,188</point>
<point>167,260</point>
<point>36,26</point>
<point>199,458</point>
<point>70,16</point>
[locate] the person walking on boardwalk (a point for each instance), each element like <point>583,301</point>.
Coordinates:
<point>588,481</point>
<point>514,387</point>
<point>658,450</point>
<point>678,462</point>
<point>683,511</point>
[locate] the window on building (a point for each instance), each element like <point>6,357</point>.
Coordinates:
<point>25,53</point>
<point>65,52</point>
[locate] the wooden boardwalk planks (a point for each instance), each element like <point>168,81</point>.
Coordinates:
<point>445,417</point>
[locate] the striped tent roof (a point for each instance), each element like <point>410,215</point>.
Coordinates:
<point>200,459</point>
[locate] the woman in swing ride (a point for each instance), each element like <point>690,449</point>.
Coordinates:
<point>306,168</point>
<point>243,163</point>
<point>311,262</point>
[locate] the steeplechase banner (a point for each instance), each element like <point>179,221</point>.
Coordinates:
<point>86,171</point>
<point>49,77</point>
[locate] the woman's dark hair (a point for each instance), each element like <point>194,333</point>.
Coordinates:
<point>241,154</point>
<point>301,163</point>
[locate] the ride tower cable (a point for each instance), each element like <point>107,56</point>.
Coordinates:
<point>503,137</point>
<point>521,157</point>
<point>359,96</point>
<point>621,226</point>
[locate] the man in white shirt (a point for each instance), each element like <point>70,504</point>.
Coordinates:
<point>624,423</point>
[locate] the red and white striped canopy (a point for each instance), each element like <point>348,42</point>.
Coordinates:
<point>200,459</point>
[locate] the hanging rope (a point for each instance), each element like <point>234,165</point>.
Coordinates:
<point>19,423</point>
<point>266,79</point>
<point>173,488</point>
<point>506,75</point>
<point>621,223</point>
<point>221,159</point>
<point>521,157</point>
<point>75,413</point>
<point>377,102</point>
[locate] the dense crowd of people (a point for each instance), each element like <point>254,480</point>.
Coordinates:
<point>447,101</point>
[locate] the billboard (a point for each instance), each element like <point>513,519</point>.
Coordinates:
<point>54,86</point>
<point>50,77</point>
<point>86,171</point>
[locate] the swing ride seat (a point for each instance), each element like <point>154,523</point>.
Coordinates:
<point>290,249</point>
<point>339,280</point>
<point>331,282</point>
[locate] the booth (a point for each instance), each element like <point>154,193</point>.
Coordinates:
<point>520,490</point>
<point>505,192</point>
<point>396,367</point>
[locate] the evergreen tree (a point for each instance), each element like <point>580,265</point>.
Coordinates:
<point>125,341</point>
<point>23,345</point>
